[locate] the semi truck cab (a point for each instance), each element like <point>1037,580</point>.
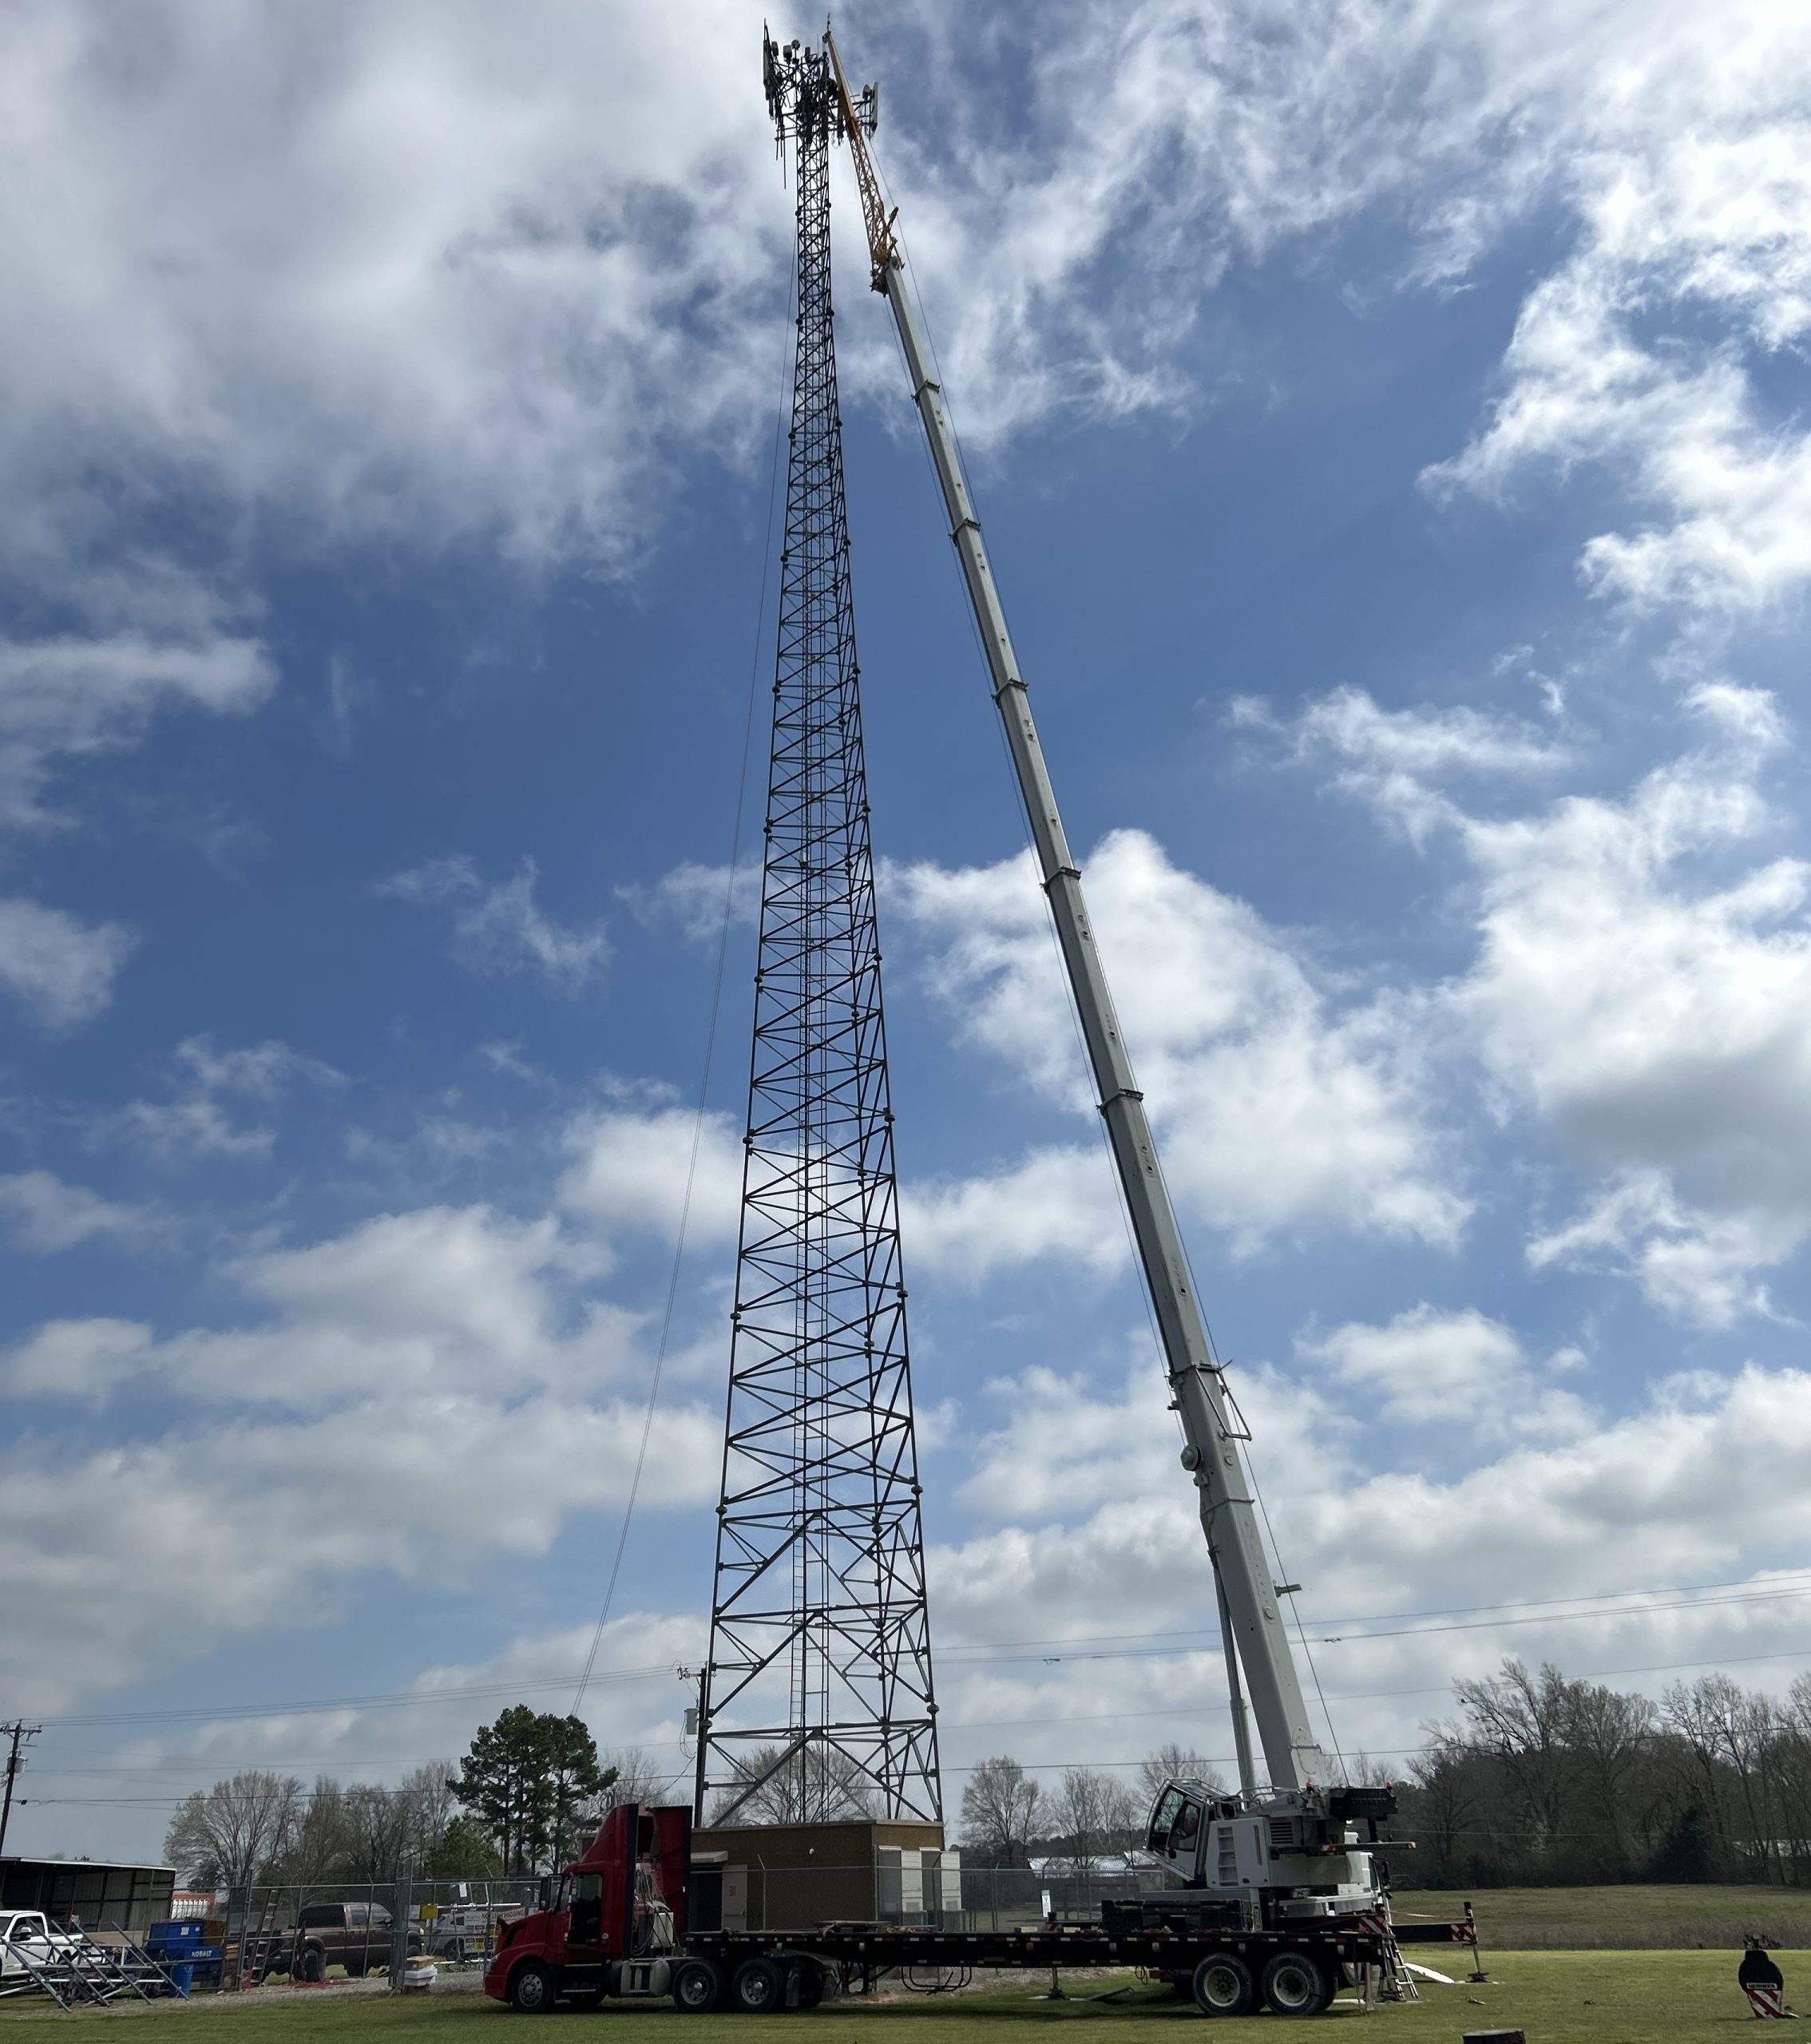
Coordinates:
<point>611,1924</point>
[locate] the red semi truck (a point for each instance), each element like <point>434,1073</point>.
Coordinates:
<point>636,1919</point>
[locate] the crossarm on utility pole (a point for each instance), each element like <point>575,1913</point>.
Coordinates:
<point>1294,1757</point>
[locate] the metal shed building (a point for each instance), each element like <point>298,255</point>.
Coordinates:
<point>99,1894</point>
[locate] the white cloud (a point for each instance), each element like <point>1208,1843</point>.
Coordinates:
<point>383,1379</point>
<point>1279,1108</point>
<point>61,698</point>
<point>1694,1263</point>
<point>1690,182</point>
<point>51,1215</point>
<point>1068,1446</point>
<point>499,927</point>
<point>90,1541</point>
<point>506,278</point>
<point>1105,1552</point>
<point>458,1301</point>
<point>508,283</point>
<point>696,897</point>
<point>62,972</point>
<point>84,1360</point>
<point>1656,1012</point>
<point>1056,1202</point>
<point>199,1119</point>
<point>1395,759</point>
<point>631,1171</point>
<point>1639,990</point>
<point>1429,1368</point>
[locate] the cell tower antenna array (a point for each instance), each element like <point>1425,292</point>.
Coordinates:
<point>816,1700</point>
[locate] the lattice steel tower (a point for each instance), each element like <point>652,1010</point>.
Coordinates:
<point>816,1700</point>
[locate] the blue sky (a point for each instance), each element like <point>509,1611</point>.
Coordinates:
<point>1387,423</point>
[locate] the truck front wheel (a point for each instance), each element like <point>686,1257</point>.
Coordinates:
<point>698,1987</point>
<point>759,1987</point>
<point>531,1990</point>
<point>1295,1983</point>
<point>1223,1985</point>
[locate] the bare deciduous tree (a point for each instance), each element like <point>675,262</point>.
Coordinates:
<point>316,1850</point>
<point>813,1785</point>
<point>638,1777</point>
<point>1174,1763</point>
<point>1096,1813</point>
<point>432,1805</point>
<point>233,1833</point>
<point>1000,1806</point>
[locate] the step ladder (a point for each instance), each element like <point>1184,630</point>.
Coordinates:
<point>263,1941</point>
<point>1395,1982</point>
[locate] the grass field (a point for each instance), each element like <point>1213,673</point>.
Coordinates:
<point>1623,1919</point>
<point>1557,1998</point>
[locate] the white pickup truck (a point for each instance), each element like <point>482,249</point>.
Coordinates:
<point>27,1934</point>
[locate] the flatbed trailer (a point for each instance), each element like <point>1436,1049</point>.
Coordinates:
<point>630,1922</point>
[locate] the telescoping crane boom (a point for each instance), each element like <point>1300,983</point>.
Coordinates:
<point>1292,1840</point>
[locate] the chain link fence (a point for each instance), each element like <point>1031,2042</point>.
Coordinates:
<point>319,1930</point>
<point>1001,1898</point>
<point>312,1932</point>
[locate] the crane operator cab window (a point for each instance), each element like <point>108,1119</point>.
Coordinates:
<point>588,1909</point>
<point>1175,1823</point>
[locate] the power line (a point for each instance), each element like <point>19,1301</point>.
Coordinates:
<point>704,1082</point>
<point>1081,1647</point>
<point>1184,1707</point>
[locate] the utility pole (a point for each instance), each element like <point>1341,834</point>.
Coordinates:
<point>17,1733</point>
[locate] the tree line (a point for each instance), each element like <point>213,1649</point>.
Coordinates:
<point>1009,1818</point>
<point>1540,1780</point>
<point>527,1797</point>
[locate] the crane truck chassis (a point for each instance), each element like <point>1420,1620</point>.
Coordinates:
<point>637,1919</point>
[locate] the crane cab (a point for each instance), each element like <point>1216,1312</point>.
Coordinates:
<point>1181,1819</point>
<point>1293,1856</point>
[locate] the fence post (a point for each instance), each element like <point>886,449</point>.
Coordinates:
<point>399,1936</point>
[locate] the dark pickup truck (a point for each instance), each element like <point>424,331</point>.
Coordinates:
<point>355,1936</point>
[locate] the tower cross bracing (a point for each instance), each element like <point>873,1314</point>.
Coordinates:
<point>816,1700</point>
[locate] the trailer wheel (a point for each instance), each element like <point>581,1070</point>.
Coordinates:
<point>698,1987</point>
<point>1223,1985</point>
<point>759,1987</point>
<point>1295,1983</point>
<point>531,1989</point>
<point>810,1976</point>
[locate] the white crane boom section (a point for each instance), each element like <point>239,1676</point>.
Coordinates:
<point>1293,1757</point>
